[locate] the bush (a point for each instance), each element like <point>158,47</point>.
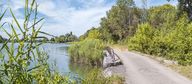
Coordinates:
<point>142,39</point>
<point>171,42</point>
<point>88,51</point>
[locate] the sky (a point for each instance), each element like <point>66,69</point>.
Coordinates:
<point>63,16</point>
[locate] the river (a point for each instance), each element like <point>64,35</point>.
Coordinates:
<point>58,55</point>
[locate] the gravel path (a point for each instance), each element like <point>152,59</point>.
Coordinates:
<point>144,70</point>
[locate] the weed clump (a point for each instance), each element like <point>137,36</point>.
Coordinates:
<point>88,51</point>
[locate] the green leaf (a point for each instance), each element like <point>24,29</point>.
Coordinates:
<point>16,21</point>
<point>3,15</point>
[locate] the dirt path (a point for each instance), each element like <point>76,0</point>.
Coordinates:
<point>143,70</point>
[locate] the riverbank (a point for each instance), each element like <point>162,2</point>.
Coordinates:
<point>89,52</point>
<point>115,71</point>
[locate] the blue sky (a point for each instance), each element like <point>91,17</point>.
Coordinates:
<point>62,16</point>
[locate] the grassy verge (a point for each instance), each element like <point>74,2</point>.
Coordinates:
<point>119,46</point>
<point>184,70</point>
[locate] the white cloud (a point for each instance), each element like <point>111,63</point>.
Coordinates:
<point>69,18</point>
<point>77,21</point>
<point>64,15</point>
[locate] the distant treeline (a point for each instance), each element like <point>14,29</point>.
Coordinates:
<point>69,37</point>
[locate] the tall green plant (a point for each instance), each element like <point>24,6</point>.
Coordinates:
<point>142,39</point>
<point>23,62</point>
<point>88,51</point>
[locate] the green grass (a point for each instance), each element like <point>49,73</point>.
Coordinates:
<point>95,77</point>
<point>88,51</point>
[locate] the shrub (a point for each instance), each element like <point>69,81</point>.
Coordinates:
<point>172,42</point>
<point>142,39</point>
<point>88,51</point>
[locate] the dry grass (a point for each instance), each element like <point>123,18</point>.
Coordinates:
<point>183,70</point>
<point>121,47</point>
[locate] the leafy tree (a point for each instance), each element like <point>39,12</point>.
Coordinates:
<point>143,38</point>
<point>45,39</point>
<point>128,3</point>
<point>90,34</point>
<point>161,14</point>
<point>52,39</point>
<point>94,34</point>
<point>69,37</point>
<point>185,6</point>
<point>144,11</point>
<point>121,20</point>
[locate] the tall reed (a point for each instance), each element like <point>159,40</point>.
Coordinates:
<point>88,51</point>
<point>23,62</point>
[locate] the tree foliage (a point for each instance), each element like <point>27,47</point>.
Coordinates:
<point>184,6</point>
<point>69,37</point>
<point>161,14</point>
<point>172,42</point>
<point>121,20</point>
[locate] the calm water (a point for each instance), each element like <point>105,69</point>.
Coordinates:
<point>58,54</point>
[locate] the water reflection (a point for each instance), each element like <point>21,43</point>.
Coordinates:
<point>58,55</point>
